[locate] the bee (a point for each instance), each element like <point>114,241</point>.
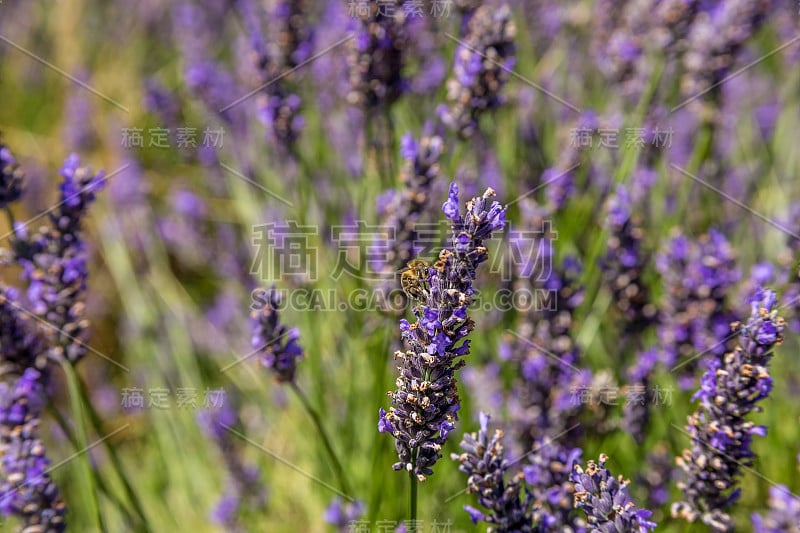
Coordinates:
<point>414,279</point>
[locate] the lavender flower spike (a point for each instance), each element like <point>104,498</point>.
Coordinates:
<point>377,56</point>
<point>783,515</point>
<point>426,401</point>
<point>405,206</point>
<point>509,503</point>
<point>606,502</point>
<point>625,262</point>
<point>26,489</point>
<point>277,343</point>
<point>721,436</point>
<point>54,263</point>
<point>482,65</point>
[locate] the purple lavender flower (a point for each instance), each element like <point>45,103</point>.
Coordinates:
<point>606,502</point>
<point>405,206</point>
<point>542,402</point>
<point>654,480</point>
<point>77,132</point>
<point>377,55</point>
<point>636,411</point>
<point>54,263</point>
<point>426,401</point>
<point>508,502</point>
<point>26,489</point>
<point>273,63</point>
<point>694,316</point>
<point>20,346</point>
<point>714,41</point>
<point>548,476</point>
<point>296,34</point>
<point>205,77</point>
<point>623,31</point>
<point>624,263</point>
<point>783,515</point>
<point>481,69</point>
<point>276,343</point>
<point>721,435</point>
<point>11,178</point>
<point>341,514</point>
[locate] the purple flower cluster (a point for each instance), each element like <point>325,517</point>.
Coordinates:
<point>559,178</point>
<point>279,105</point>
<point>296,34</point>
<point>54,263</point>
<point>694,316</point>
<point>715,38</point>
<point>377,56</point>
<point>277,344</point>
<point>11,178</point>
<point>783,515</point>
<point>606,502</point>
<point>548,475</point>
<point>405,207</point>
<point>196,32</point>
<point>508,502</point>
<point>542,403</point>
<point>731,389</point>
<point>482,65</point>
<point>26,489</point>
<point>20,346</point>
<point>636,411</point>
<point>426,401</point>
<point>624,262</point>
<point>623,33</point>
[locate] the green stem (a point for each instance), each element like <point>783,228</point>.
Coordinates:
<point>86,478</point>
<point>10,217</point>
<point>337,466</point>
<point>97,425</point>
<point>64,426</point>
<point>412,503</point>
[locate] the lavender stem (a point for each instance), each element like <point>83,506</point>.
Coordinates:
<point>412,525</point>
